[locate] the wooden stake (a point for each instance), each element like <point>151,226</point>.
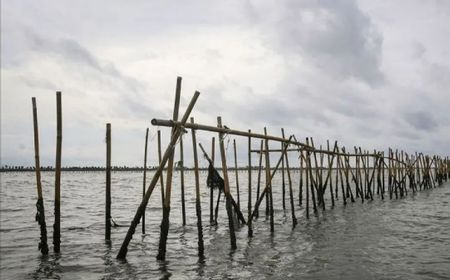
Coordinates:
<point>145,178</point>
<point>166,207</point>
<point>40,215</point>
<point>226,186</point>
<point>183,203</point>
<point>161,179</point>
<point>57,223</point>
<point>269,182</point>
<point>259,175</point>
<point>198,208</point>
<point>108,184</point>
<point>249,208</point>
<point>236,175</point>
<point>291,195</point>
<point>211,190</point>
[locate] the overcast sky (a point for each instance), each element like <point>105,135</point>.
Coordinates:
<point>370,73</point>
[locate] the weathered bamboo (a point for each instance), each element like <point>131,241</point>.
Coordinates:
<point>300,181</point>
<point>198,208</point>
<point>145,178</point>
<point>166,206</point>
<point>57,223</point>
<point>183,202</point>
<point>108,184</point>
<point>161,179</point>
<point>269,182</point>
<point>226,186</point>
<point>211,190</point>
<point>283,183</point>
<point>258,185</point>
<point>291,195</point>
<point>169,151</point>
<point>236,174</point>
<point>40,215</point>
<point>249,207</point>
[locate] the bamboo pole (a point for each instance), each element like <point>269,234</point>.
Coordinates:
<point>300,191</point>
<point>269,182</point>
<point>145,178</point>
<point>249,207</point>
<point>166,206</point>
<point>183,203</point>
<point>57,222</point>
<point>108,184</point>
<point>291,195</point>
<point>40,215</point>
<point>169,151</point>
<point>161,179</point>
<point>283,183</point>
<point>226,186</point>
<point>211,190</point>
<point>236,175</point>
<point>259,175</point>
<point>198,208</point>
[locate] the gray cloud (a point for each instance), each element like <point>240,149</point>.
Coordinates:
<point>421,120</point>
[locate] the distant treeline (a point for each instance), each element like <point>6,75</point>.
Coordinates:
<point>7,168</point>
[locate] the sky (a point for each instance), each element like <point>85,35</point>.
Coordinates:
<point>374,74</point>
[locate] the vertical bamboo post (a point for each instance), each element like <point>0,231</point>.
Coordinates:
<point>258,185</point>
<point>40,215</point>
<point>283,183</point>
<point>166,206</point>
<point>198,208</point>
<point>161,178</point>
<point>183,203</point>
<point>269,182</point>
<point>226,186</point>
<point>250,229</point>
<point>145,177</point>
<point>291,195</point>
<point>169,151</point>
<point>236,175</point>
<point>211,190</point>
<point>57,223</point>
<point>300,191</point>
<point>108,184</point>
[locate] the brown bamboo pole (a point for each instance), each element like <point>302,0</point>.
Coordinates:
<point>258,185</point>
<point>236,175</point>
<point>291,195</point>
<point>145,178</point>
<point>161,179</point>
<point>300,191</point>
<point>198,206</point>
<point>183,202</point>
<point>57,222</point>
<point>108,184</point>
<point>283,183</point>
<point>307,181</point>
<point>226,186</point>
<point>40,215</point>
<point>249,207</point>
<point>167,194</point>
<point>211,190</point>
<point>169,151</point>
<point>269,182</point>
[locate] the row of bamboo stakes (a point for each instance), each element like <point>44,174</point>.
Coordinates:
<point>364,170</point>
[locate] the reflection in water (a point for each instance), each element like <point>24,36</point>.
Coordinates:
<point>403,239</point>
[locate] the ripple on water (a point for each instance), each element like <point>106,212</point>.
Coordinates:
<point>399,239</point>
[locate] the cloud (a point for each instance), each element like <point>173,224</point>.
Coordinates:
<point>421,120</point>
<point>336,37</point>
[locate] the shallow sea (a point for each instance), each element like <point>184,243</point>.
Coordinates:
<point>407,238</point>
